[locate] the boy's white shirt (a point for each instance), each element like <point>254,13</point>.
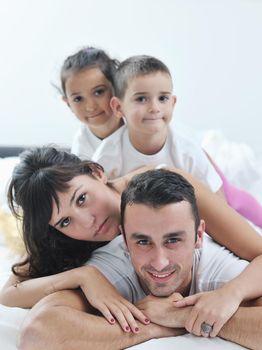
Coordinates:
<point>118,156</point>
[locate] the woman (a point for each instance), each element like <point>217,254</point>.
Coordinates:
<point>68,210</point>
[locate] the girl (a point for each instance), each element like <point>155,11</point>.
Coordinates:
<point>61,235</point>
<point>87,83</point>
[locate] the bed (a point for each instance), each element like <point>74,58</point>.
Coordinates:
<point>238,161</point>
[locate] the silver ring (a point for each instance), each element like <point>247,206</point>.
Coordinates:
<point>206,328</point>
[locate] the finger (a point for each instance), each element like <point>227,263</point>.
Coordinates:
<point>191,320</point>
<point>120,317</point>
<point>107,314</point>
<point>138,314</point>
<point>216,329</point>
<point>187,301</point>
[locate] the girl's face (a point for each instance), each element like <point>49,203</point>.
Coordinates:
<point>89,210</point>
<point>88,94</point>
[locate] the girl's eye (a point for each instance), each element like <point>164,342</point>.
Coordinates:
<point>99,92</point>
<point>66,222</point>
<point>163,98</point>
<point>81,199</point>
<point>78,99</point>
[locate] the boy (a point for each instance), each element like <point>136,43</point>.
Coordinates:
<point>143,95</point>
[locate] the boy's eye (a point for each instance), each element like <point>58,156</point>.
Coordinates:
<point>65,222</point>
<point>141,99</point>
<point>77,99</point>
<point>163,98</point>
<point>81,199</point>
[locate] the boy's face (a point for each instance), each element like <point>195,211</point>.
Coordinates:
<point>161,243</point>
<point>148,104</point>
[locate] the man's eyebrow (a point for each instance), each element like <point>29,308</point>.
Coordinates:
<point>174,234</point>
<point>138,235</point>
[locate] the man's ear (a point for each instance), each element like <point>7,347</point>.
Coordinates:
<point>123,234</point>
<point>200,234</point>
<point>65,99</point>
<point>116,105</point>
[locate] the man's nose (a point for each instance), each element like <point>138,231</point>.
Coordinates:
<point>159,260</point>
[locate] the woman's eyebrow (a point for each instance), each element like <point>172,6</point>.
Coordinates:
<point>74,194</point>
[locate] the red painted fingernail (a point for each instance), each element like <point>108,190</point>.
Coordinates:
<point>147,320</point>
<point>112,320</point>
<point>136,329</point>
<point>127,329</point>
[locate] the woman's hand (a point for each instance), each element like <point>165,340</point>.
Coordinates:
<point>214,308</point>
<point>105,298</point>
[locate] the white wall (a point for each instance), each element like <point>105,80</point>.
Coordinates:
<point>213,49</point>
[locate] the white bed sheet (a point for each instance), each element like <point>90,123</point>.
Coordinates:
<point>239,164</point>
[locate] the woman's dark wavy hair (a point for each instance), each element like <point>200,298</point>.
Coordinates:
<point>41,173</point>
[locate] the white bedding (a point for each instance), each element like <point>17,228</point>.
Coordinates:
<point>239,164</point>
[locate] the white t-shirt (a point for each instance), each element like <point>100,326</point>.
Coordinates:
<point>118,156</point>
<point>85,143</point>
<point>212,267</point>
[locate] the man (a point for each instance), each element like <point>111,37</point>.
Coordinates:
<point>163,235</point>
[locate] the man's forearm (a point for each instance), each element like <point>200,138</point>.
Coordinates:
<point>62,327</point>
<point>244,327</point>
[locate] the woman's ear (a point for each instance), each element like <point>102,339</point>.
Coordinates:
<point>116,106</point>
<point>99,174</point>
<point>174,100</point>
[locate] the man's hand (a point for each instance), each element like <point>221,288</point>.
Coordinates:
<point>162,310</point>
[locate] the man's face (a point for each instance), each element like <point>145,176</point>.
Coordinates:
<point>161,243</point>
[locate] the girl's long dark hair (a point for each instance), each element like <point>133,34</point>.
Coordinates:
<point>41,173</point>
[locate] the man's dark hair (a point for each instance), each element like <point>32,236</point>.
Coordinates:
<point>156,188</point>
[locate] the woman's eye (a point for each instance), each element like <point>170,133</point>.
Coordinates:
<point>81,199</point>
<point>77,99</point>
<point>163,98</point>
<point>65,222</point>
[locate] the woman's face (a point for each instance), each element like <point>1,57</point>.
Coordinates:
<point>89,210</point>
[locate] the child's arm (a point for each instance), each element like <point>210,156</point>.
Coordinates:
<point>218,306</point>
<point>98,290</point>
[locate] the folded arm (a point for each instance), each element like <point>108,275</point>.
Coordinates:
<point>59,323</point>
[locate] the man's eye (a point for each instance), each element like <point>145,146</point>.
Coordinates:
<point>163,98</point>
<point>172,241</point>
<point>65,222</point>
<point>143,242</point>
<point>141,99</point>
<point>78,99</point>
<point>81,199</point>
